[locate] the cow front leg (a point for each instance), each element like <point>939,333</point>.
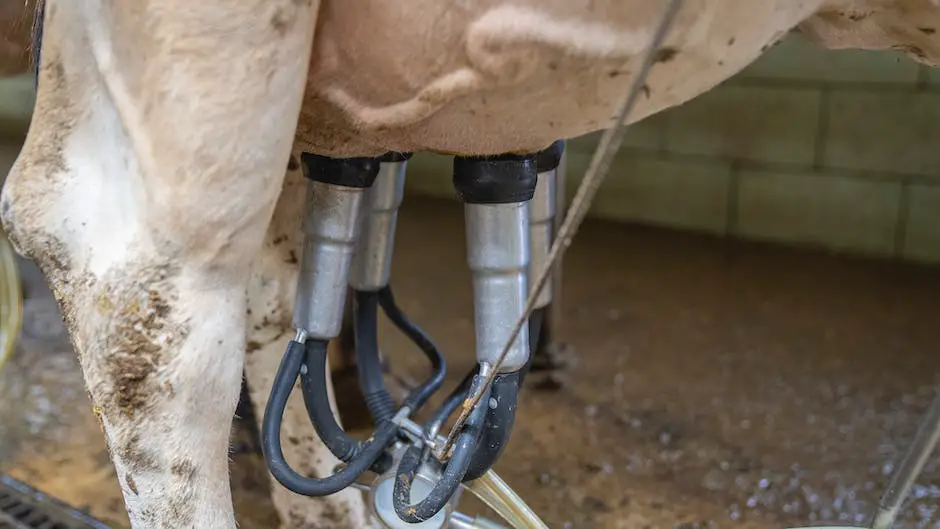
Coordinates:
<point>148,179</point>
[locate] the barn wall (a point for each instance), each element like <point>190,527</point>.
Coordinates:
<point>16,103</point>
<point>807,146</point>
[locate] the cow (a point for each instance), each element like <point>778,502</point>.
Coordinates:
<point>152,190</point>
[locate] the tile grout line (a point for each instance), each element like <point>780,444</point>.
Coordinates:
<point>844,86</point>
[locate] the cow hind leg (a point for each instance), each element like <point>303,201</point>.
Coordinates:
<point>148,179</point>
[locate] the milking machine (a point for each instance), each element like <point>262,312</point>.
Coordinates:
<point>349,228</point>
<point>508,204</point>
<point>349,225</point>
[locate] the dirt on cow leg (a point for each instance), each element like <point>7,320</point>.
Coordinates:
<point>51,440</point>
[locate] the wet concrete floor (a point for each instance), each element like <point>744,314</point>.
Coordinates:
<point>709,384</point>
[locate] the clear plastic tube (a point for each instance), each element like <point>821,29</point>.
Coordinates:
<point>11,300</point>
<point>500,497</point>
<point>462,521</point>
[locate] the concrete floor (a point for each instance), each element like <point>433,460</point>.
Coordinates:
<point>711,384</point>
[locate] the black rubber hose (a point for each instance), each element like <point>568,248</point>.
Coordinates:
<point>316,399</point>
<point>497,425</point>
<point>366,323</point>
<point>420,395</point>
<point>453,474</point>
<point>271,436</point>
<point>452,402</point>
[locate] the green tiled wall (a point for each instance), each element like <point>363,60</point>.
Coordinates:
<point>807,146</point>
